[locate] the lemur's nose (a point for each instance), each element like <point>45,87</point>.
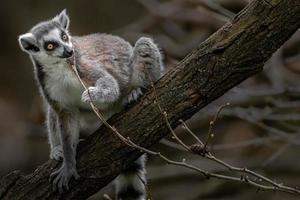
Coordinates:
<point>68,52</point>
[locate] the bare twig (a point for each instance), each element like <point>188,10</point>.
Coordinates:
<point>202,150</point>
<point>191,132</point>
<point>94,108</point>
<point>244,179</point>
<point>217,147</point>
<point>210,134</point>
<point>165,115</point>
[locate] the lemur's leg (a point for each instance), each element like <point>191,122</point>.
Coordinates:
<point>147,61</point>
<point>106,89</point>
<point>131,184</point>
<point>147,66</point>
<point>69,137</point>
<point>53,135</point>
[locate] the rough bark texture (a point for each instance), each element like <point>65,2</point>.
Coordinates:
<point>237,51</point>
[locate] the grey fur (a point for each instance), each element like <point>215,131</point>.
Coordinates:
<point>115,72</point>
<point>56,151</point>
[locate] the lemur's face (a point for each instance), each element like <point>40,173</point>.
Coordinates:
<point>49,41</point>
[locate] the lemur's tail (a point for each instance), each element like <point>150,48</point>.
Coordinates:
<point>131,183</point>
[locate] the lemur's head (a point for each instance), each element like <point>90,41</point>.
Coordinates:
<point>49,41</point>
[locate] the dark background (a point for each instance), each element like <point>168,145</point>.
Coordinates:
<point>246,134</point>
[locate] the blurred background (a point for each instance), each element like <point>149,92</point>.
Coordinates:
<point>260,129</point>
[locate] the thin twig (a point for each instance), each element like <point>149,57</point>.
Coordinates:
<point>219,147</point>
<point>95,109</point>
<point>210,134</point>
<point>191,132</point>
<point>274,186</point>
<point>203,152</point>
<point>164,113</point>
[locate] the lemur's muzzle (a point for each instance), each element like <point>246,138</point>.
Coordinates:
<point>68,52</point>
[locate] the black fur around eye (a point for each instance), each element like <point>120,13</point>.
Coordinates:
<point>64,37</point>
<point>50,46</point>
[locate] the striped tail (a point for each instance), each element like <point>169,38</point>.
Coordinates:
<point>131,183</point>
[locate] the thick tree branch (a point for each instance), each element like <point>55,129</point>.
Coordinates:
<point>237,51</point>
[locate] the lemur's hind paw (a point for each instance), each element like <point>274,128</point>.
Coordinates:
<point>60,179</point>
<point>133,96</point>
<point>56,153</point>
<point>145,47</point>
<point>147,59</point>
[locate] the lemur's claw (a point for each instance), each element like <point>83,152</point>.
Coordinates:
<point>134,95</point>
<point>56,153</point>
<point>60,179</point>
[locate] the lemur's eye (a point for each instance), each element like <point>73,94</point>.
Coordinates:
<point>50,46</point>
<point>64,37</point>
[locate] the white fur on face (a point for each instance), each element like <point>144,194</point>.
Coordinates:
<point>25,36</point>
<point>46,57</point>
<point>55,35</point>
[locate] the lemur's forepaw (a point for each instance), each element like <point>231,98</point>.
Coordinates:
<point>96,95</point>
<point>90,95</point>
<point>134,95</point>
<point>56,153</point>
<point>60,179</point>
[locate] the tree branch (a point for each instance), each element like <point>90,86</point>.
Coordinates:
<point>235,52</point>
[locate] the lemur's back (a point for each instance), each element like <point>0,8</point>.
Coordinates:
<point>98,52</point>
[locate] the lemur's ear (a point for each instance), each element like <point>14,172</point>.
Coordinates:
<point>63,19</point>
<point>28,43</point>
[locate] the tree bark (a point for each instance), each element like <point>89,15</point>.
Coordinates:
<point>234,53</point>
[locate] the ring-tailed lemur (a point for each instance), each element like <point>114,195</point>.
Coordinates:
<point>115,72</point>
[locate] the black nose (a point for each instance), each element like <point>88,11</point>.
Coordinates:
<point>67,52</point>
